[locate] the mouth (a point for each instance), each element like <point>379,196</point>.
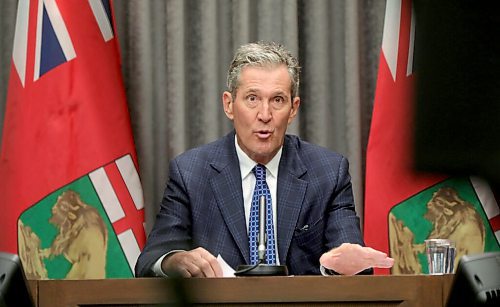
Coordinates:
<point>263,134</point>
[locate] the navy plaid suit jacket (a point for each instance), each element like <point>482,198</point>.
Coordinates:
<point>203,206</point>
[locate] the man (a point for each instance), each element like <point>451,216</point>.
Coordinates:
<point>207,204</point>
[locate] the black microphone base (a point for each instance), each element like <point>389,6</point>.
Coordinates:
<point>262,270</point>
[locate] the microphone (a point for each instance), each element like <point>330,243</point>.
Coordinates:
<point>261,249</point>
<point>261,268</point>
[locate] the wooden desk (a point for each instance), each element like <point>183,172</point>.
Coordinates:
<point>400,290</point>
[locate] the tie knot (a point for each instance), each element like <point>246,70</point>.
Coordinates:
<point>260,172</point>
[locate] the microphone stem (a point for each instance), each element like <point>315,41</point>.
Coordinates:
<point>261,249</point>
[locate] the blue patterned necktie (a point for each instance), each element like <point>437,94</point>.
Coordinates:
<point>261,188</point>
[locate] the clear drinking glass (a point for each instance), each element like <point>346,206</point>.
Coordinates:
<point>440,256</point>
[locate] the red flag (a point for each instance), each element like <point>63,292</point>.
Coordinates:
<point>399,202</point>
<point>67,147</point>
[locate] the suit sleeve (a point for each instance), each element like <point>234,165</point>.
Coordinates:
<point>171,230</point>
<point>343,223</point>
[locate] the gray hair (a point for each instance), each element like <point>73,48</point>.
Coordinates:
<point>263,54</point>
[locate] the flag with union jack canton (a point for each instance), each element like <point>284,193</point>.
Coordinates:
<point>71,196</point>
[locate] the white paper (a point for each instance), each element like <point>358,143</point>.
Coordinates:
<point>227,271</point>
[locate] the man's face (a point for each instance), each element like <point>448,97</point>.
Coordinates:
<point>262,110</point>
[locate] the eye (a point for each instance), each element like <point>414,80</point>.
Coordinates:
<point>278,102</point>
<point>252,100</point>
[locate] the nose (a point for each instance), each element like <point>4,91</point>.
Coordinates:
<point>265,113</point>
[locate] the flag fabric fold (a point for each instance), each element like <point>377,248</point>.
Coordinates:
<point>403,207</point>
<point>71,193</point>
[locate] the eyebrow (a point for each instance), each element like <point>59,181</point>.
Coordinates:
<point>252,90</point>
<point>281,93</point>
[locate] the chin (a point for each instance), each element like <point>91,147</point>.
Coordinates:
<point>264,148</point>
<point>263,156</point>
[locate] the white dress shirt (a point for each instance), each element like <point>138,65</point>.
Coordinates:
<point>248,185</point>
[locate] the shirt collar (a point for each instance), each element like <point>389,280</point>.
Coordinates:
<point>247,164</point>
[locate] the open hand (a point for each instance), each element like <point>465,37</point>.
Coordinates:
<point>350,259</point>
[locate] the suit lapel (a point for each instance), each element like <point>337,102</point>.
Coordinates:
<point>291,193</point>
<point>226,185</point>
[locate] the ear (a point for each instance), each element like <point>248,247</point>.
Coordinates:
<point>227,102</point>
<point>294,110</point>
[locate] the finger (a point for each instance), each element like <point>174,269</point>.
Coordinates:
<point>194,270</point>
<point>191,263</point>
<point>216,268</point>
<point>208,264</point>
<point>175,264</point>
<point>385,263</point>
<point>206,268</point>
<point>375,255</point>
<point>372,251</point>
<point>180,267</point>
<point>214,264</point>
<point>183,272</point>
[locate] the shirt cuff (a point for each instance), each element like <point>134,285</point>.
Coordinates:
<point>327,272</point>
